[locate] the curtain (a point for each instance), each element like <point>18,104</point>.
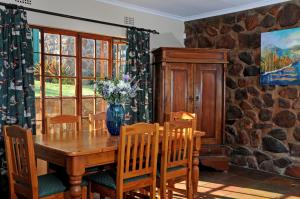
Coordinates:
<point>138,67</point>
<point>17,102</point>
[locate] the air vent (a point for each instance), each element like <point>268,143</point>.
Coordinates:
<point>26,2</point>
<point>129,21</point>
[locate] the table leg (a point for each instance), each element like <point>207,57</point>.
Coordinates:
<point>195,171</point>
<point>75,171</point>
<point>75,186</point>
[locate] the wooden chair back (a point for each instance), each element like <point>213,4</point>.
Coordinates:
<point>178,144</point>
<point>21,162</point>
<point>97,122</point>
<point>137,156</point>
<point>63,123</point>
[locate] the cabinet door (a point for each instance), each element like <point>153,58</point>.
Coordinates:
<point>208,101</point>
<point>180,87</point>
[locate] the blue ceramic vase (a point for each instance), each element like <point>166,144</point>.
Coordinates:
<point>115,118</point>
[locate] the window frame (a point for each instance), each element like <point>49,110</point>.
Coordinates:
<point>78,68</point>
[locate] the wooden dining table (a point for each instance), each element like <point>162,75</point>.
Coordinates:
<point>78,150</point>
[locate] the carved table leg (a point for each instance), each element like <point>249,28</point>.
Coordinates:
<point>195,171</point>
<point>75,171</point>
<point>75,186</point>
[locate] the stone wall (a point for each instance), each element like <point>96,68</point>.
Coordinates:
<point>262,122</point>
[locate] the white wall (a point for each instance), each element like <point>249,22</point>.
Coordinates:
<point>171,31</point>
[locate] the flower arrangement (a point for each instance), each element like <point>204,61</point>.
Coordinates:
<point>116,91</point>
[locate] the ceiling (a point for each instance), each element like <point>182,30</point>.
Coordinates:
<point>185,10</point>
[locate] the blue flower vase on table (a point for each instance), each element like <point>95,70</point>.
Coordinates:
<point>115,118</point>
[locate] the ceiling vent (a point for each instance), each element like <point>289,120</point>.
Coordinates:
<point>25,2</point>
<point>129,21</point>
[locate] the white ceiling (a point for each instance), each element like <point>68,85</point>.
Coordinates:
<point>186,10</point>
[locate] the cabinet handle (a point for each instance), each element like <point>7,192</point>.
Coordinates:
<point>197,98</point>
<point>191,98</point>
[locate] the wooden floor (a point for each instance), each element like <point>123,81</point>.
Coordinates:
<point>245,184</point>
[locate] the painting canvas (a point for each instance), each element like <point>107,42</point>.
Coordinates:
<point>280,57</point>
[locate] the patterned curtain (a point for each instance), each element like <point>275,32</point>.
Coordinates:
<point>139,68</point>
<point>16,77</point>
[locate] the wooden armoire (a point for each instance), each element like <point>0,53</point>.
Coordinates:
<point>192,80</point>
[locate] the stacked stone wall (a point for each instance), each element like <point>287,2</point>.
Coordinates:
<point>262,122</point>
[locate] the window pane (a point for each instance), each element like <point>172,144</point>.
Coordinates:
<point>36,42</point>
<point>52,87</point>
<point>88,48</point>
<point>87,106</point>
<point>101,68</point>
<point>68,87</point>
<point>52,43</point>
<point>52,65</point>
<point>67,45</point>
<point>38,127</point>
<point>68,66</point>
<point>38,109</point>
<point>101,105</point>
<point>37,63</point>
<point>69,106</point>
<point>52,107</point>
<point>101,49</point>
<point>122,51</point>
<point>88,68</point>
<point>87,87</point>
<point>115,48</point>
<point>37,86</point>
<point>85,123</point>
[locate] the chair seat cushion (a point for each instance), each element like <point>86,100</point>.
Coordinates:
<point>170,169</point>
<point>50,184</point>
<point>93,169</point>
<point>108,179</point>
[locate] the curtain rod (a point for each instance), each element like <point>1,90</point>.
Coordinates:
<point>14,6</point>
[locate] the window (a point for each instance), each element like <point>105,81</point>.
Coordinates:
<point>119,56</point>
<point>66,65</point>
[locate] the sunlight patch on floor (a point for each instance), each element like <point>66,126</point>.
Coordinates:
<point>217,190</point>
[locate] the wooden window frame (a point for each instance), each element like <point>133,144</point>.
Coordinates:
<point>78,68</point>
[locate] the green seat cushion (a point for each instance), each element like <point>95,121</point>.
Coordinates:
<point>108,179</point>
<point>94,169</point>
<point>170,169</point>
<point>50,184</point>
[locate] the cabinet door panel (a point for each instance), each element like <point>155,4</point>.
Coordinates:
<point>181,94</point>
<point>208,80</point>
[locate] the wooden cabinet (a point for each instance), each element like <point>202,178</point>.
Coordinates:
<point>192,80</point>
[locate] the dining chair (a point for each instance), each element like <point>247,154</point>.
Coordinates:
<point>62,123</point>
<point>22,172</point>
<point>176,157</point>
<point>136,164</point>
<point>98,122</point>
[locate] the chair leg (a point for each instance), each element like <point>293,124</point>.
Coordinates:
<point>153,192</point>
<point>84,192</point>
<point>170,192</point>
<point>189,187</point>
<point>102,196</point>
<point>162,189</point>
<point>90,193</point>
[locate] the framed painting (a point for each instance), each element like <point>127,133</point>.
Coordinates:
<point>280,57</point>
